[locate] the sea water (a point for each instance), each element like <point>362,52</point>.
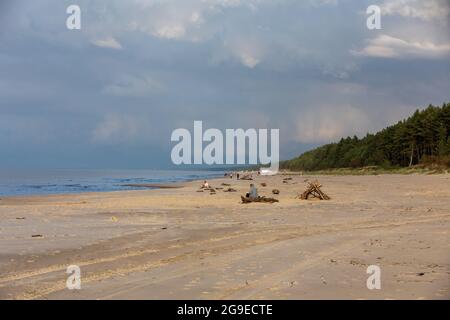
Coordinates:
<point>34,182</point>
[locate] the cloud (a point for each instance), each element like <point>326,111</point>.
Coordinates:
<point>187,20</point>
<point>427,10</point>
<point>247,51</point>
<point>248,60</point>
<point>132,86</point>
<point>175,31</point>
<point>131,129</point>
<point>323,2</point>
<point>115,129</point>
<point>329,123</point>
<point>109,42</point>
<point>170,19</point>
<point>341,71</point>
<point>231,63</point>
<point>385,46</point>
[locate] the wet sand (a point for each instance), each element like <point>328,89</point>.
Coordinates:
<point>183,244</point>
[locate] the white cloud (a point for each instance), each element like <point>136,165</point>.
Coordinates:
<point>248,60</point>
<point>227,24</point>
<point>246,50</point>
<point>189,20</point>
<point>170,20</point>
<point>109,42</point>
<point>131,86</point>
<point>385,46</point>
<point>176,31</point>
<point>422,9</point>
<point>329,123</point>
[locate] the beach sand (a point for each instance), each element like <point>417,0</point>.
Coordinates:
<point>183,244</point>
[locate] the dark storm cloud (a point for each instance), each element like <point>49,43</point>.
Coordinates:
<point>110,94</point>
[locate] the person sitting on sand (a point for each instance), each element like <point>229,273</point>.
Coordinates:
<point>205,185</point>
<point>253,193</point>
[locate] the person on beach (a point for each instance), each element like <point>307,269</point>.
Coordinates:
<point>253,193</point>
<point>205,185</point>
<point>237,176</point>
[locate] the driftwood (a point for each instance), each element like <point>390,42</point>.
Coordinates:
<point>230,190</point>
<point>314,191</point>
<point>246,177</point>
<point>210,189</point>
<point>259,199</point>
<point>276,191</point>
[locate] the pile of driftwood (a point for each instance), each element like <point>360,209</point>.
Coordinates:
<point>314,191</point>
<point>259,199</point>
<point>210,189</point>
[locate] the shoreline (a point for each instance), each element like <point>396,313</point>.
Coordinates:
<point>94,181</point>
<point>180,185</point>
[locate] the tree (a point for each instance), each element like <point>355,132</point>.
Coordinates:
<point>423,135</point>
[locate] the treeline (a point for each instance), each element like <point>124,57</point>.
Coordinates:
<point>423,138</point>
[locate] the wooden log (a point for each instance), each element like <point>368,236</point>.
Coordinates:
<point>259,199</point>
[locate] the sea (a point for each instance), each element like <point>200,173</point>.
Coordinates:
<point>39,182</point>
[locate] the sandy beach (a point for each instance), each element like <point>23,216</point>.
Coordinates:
<point>183,244</point>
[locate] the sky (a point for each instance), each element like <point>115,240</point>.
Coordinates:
<point>110,94</point>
